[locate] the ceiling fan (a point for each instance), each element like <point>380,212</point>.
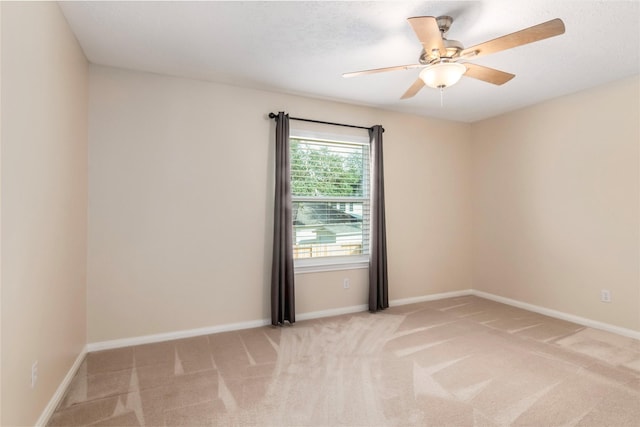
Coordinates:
<point>441,58</point>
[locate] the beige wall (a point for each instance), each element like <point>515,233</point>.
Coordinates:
<point>180,206</point>
<point>44,205</point>
<point>556,204</point>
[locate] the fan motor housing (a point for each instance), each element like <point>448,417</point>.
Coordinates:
<point>453,48</point>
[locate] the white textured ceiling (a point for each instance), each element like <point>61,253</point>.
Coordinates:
<point>304,47</point>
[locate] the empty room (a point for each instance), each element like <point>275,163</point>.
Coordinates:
<point>307,213</point>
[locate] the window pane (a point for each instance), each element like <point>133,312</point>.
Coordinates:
<point>328,169</point>
<point>330,187</point>
<point>324,228</point>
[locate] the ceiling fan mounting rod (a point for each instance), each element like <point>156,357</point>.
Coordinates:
<point>444,23</point>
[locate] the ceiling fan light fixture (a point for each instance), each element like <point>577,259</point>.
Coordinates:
<point>442,74</point>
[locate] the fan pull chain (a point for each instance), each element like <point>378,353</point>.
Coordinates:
<point>441,97</point>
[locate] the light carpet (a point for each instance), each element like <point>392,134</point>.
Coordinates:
<point>461,361</point>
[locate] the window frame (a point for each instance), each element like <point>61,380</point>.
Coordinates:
<point>330,263</point>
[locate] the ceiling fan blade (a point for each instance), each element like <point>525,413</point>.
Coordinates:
<point>486,74</point>
<point>415,88</point>
<point>426,28</point>
<point>381,70</point>
<point>552,28</point>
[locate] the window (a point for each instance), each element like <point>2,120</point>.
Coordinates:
<point>330,189</point>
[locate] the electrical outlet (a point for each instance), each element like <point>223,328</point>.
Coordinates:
<point>345,283</point>
<point>605,295</point>
<point>34,374</point>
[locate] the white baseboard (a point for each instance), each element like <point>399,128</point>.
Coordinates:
<point>60,391</point>
<point>365,307</point>
<point>188,333</point>
<point>332,312</point>
<point>560,315</point>
<point>146,339</point>
<point>168,336</point>
<point>431,297</point>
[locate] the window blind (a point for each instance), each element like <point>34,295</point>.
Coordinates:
<point>330,194</point>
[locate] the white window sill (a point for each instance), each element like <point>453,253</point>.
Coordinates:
<point>315,265</point>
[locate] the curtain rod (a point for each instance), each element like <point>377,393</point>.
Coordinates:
<point>275,116</point>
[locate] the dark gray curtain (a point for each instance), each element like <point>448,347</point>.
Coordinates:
<point>282,277</point>
<point>378,276</point>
